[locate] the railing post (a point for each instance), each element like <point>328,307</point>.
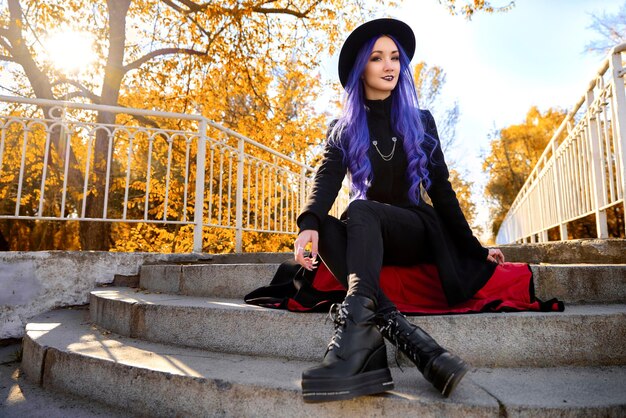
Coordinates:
<point>198,217</point>
<point>543,233</point>
<point>619,104</point>
<point>557,193</point>
<point>597,170</point>
<point>239,197</point>
<point>528,228</point>
<point>302,188</point>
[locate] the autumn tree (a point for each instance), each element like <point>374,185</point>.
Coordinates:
<point>513,153</point>
<point>469,8</point>
<point>610,30</point>
<point>429,82</point>
<point>181,55</point>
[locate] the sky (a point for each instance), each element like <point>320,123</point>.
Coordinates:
<point>500,65</point>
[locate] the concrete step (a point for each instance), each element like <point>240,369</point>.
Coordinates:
<point>583,335</point>
<point>583,283</point>
<point>62,351</point>
<point>593,251</point>
<point>220,280</point>
<point>21,398</point>
<point>232,258</point>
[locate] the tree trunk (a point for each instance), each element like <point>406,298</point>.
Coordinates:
<point>97,235</point>
<point>42,89</point>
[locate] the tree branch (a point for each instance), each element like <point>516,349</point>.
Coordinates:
<point>149,122</point>
<point>39,81</point>
<point>286,10</point>
<point>145,121</point>
<point>186,14</point>
<point>7,58</point>
<point>88,95</point>
<point>4,32</point>
<point>173,6</point>
<point>264,10</point>
<point>193,7</point>
<point>82,91</point>
<point>159,52</point>
<point>6,44</point>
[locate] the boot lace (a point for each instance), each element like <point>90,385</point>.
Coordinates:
<point>338,314</point>
<point>391,329</point>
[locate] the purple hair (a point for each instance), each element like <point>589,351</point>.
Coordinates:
<point>352,134</point>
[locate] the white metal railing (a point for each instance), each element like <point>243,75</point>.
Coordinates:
<point>582,170</point>
<point>56,158</point>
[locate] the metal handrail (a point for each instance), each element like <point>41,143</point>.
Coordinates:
<point>245,185</point>
<point>581,174</point>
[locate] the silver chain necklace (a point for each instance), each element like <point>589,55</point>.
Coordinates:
<point>390,155</point>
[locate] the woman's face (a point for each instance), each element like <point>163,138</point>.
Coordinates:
<point>381,72</point>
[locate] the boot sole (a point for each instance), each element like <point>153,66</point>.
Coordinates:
<point>445,372</point>
<point>326,390</point>
<point>453,379</point>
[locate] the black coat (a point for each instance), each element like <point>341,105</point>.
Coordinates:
<point>460,258</point>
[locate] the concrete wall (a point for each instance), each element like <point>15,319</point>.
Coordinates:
<point>35,282</point>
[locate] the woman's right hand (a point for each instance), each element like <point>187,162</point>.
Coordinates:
<point>306,236</point>
<point>495,256</point>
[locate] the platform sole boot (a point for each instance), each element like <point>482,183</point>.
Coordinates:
<point>355,362</point>
<point>441,368</point>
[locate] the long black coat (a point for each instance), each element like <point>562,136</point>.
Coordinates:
<point>460,258</point>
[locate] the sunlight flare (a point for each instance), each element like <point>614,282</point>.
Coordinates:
<point>70,51</point>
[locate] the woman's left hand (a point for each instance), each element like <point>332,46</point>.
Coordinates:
<point>495,255</point>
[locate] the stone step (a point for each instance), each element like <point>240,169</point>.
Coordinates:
<point>230,258</point>
<point>581,283</point>
<point>584,283</point>
<point>63,352</point>
<point>583,335</point>
<point>220,280</point>
<point>593,251</point>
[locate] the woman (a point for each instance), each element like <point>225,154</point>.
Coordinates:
<point>391,150</point>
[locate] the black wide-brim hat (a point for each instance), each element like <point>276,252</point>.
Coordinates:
<point>400,31</point>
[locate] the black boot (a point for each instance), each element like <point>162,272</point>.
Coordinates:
<point>355,362</point>
<point>441,368</point>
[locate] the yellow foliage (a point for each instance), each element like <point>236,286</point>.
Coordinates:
<point>468,8</point>
<point>513,155</point>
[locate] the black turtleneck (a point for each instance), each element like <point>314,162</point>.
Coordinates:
<point>389,181</point>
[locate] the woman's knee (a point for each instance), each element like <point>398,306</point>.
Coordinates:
<point>332,232</point>
<point>362,208</point>
<point>331,226</point>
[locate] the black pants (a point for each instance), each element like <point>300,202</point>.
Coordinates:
<point>374,234</point>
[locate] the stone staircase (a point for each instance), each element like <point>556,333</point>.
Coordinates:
<point>184,344</point>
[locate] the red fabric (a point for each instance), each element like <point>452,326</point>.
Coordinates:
<point>417,290</point>
<point>294,306</point>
